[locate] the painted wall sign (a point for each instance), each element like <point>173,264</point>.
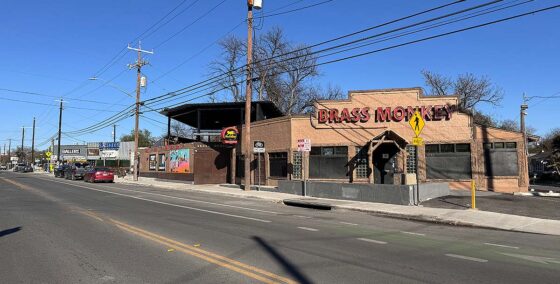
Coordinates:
<point>385,114</point>
<point>229,135</point>
<point>179,161</point>
<point>109,145</point>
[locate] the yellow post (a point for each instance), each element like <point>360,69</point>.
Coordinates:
<point>473,195</point>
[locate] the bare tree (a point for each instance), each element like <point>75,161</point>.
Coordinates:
<point>318,93</point>
<point>298,67</point>
<point>266,56</point>
<point>509,124</point>
<point>472,90</point>
<point>227,67</point>
<point>179,129</point>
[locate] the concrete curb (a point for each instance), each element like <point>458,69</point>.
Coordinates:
<point>536,193</point>
<point>497,221</point>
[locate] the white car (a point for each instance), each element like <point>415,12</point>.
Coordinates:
<point>3,167</point>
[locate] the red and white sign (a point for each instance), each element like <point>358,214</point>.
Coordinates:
<point>304,145</point>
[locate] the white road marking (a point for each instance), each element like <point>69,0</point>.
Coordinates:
<point>372,241</point>
<point>170,204</point>
<point>502,246</point>
<point>534,258</point>
<point>348,223</point>
<point>412,233</point>
<point>194,200</point>
<point>466,257</point>
<point>308,229</point>
<point>304,217</point>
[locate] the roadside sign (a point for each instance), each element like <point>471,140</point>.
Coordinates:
<point>48,154</point>
<point>417,123</point>
<point>258,147</point>
<point>417,141</point>
<point>304,145</point>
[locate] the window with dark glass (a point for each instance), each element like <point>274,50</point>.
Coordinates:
<point>240,166</point>
<point>328,162</point>
<point>152,162</point>
<point>161,160</point>
<point>432,148</point>
<point>410,159</point>
<point>278,164</point>
<point>500,159</point>
<point>448,161</point>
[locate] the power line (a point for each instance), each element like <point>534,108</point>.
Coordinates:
<point>45,104</point>
<point>190,24</point>
<point>167,22</point>
<point>51,96</point>
<point>416,41</point>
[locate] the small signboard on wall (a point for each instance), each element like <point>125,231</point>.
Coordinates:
<point>304,145</point>
<point>258,147</point>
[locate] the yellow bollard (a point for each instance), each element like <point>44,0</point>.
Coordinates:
<point>473,195</point>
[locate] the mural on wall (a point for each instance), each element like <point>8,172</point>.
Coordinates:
<point>179,161</point>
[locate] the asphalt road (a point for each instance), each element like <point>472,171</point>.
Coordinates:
<point>59,231</point>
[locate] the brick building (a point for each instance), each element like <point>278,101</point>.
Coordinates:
<point>367,139</point>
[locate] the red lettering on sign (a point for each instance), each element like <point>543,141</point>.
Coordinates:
<point>383,114</point>
<point>345,115</point>
<point>322,115</point>
<point>365,114</point>
<point>410,112</point>
<point>437,112</point>
<point>425,113</point>
<point>333,115</point>
<point>355,115</point>
<point>398,114</point>
<point>448,111</point>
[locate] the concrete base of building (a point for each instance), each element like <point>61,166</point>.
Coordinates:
<point>382,193</point>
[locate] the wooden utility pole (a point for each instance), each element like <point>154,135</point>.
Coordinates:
<point>114,133</point>
<point>22,138</point>
<point>138,65</point>
<point>248,96</point>
<point>33,144</point>
<point>59,130</point>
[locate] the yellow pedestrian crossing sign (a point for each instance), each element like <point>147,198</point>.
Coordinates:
<point>417,123</point>
<point>48,154</point>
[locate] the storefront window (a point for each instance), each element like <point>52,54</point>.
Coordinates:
<point>278,164</point>
<point>432,148</point>
<point>501,159</point>
<point>448,161</point>
<point>328,162</point>
<point>152,162</point>
<point>511,145</point>
<point>161,159</point>
<point>447,148</point>
<point>464,147</point>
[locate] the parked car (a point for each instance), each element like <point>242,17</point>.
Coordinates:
<point>95,174</point>
<point>75,171</point>
<point>19,168</point>
<point>3,167</point>
<point>27,169</point>
<point>60,170</point>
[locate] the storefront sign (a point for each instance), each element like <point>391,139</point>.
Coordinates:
<point>93,152</point>
<point>109,145</point>
<point>385,114</point>
<point>417,141</point>
<point>258,147</point>
<point>304,145</point>
<point>229,135</point>
<point>109,153</point>
<point>71,151</point>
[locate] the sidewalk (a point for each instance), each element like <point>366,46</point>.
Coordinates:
<point>471,218</point>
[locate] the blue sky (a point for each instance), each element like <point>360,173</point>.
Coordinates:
<point>53,47</point>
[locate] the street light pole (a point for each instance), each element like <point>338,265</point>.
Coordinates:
<point>22,138</point>
<point>59,131</point>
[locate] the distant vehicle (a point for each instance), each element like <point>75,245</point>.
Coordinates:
<point>95,174</point>
<point>27,169</point>
<point>3,167</point>
<point>59,171</point>
<point>19,168</point>
<point>75,171</point>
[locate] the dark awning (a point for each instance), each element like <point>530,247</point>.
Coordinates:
<point>213,116</point>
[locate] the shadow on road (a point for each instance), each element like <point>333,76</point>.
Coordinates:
<point>286,264</point>
<point>9,231</point>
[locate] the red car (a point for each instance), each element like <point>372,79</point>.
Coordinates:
<point>96,174</point>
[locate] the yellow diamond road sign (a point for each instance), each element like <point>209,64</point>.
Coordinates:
<point>417,123</point>
<point>48,154</point>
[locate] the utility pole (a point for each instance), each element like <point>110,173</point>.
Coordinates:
<point>59,131</point>
<point>22,139</point>
<point>33,144</point>
<point>10,150</point>
<point>248,96</point>
<point>138,65</point>
<point>523,113</point>
<point>114,133</point>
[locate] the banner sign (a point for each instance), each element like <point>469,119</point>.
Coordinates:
<point>385,114</point>
<point>109,145</point>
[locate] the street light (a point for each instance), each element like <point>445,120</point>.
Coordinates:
<point>111,85</point>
